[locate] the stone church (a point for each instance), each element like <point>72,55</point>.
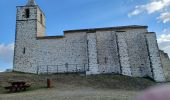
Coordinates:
<point>126,50</point>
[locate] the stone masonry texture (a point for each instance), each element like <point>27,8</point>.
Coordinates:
<point>126,50</point>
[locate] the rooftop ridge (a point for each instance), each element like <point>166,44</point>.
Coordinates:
<point>109,28</point>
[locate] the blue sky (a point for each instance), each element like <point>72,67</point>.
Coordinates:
<point>78,14</point>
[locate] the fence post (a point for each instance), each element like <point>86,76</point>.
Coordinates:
<point>57,69</point>
<point>48,83</point>
<point>47,69</point>
<point>66,65</point>
<point>84,67</point>
<point>37,70</point>
<point>76,68</point>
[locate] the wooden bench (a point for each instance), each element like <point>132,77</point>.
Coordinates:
<point>17,86</point>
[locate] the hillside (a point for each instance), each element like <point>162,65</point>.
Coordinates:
<point>77,81</point>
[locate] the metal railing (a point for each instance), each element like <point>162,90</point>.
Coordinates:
<point>65,68</point>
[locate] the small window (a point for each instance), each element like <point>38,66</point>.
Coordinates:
<point>41,19</point>
<point>24,51</point>
<point>27,13</point>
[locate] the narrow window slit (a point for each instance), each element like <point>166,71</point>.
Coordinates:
<point>27,13</point>
<point>41,19</point>
<point>24,51</point>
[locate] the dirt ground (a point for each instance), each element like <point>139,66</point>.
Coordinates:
<point>74,87</point>
<point>71,94</point>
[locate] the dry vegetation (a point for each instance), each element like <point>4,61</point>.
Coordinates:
<point>75,86</point>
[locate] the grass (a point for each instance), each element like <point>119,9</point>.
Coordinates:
<point>77,81</point>
<point>74,87</point>
<point>2,90</point>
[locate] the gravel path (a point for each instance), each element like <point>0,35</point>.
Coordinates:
<point>71,94</point>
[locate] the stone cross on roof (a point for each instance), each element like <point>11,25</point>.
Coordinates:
<point>31,3</point>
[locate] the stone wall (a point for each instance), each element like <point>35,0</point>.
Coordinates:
<point>92,54</point>
<point>137,52</point>
<point>107,52</point>
<point>65,54</point>
<point>124,56</point>
<point>41,27</point>
<point>21,13</point>
<point>134,53</point>
<point>165,63</point>
<point>25,46</point>
<point>25,40</point>
<point>156,64</point>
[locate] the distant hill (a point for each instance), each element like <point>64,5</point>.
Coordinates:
<point>8,70</point>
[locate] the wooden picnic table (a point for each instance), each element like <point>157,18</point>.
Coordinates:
<point>17,86</point>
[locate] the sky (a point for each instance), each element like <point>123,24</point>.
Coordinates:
<point>79,14</point>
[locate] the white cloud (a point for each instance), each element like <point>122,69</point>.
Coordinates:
<point>6,53</point>
<point>164,43</point>
<point>153,6</point>
<point>164,38</point>
<point>137,11</point>
<point>1,70</point>
<point>157,5</point>
<point>166,30</point>
<point>164,17</point>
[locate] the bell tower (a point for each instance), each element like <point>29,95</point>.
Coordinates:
<point>30,24</point>
<point>31,2</point>
<point>31,12</point>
